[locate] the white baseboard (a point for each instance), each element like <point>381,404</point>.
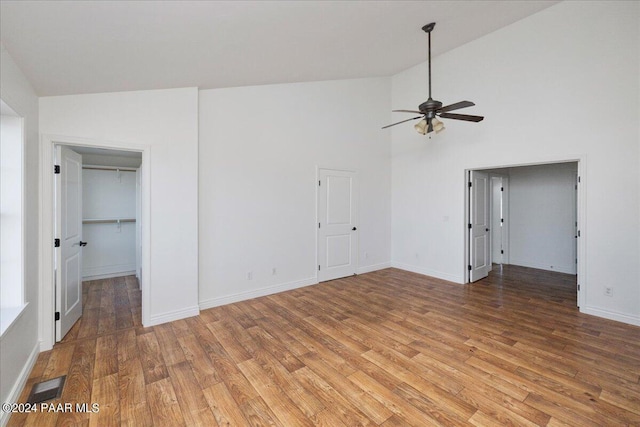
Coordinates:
<point>612,315</point>
<point>255,293</point>
<point>109,275</point>
<point>14,394</point>
<point>427,272</point>
<point>374,267</point>
<point>567,269</point>
<point>170,316</point>
<point>104,272</point>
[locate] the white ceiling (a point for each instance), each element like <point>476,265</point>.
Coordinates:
<point>71,47</point>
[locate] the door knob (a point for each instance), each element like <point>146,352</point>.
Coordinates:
<point>354,229</point>
<point>81,243</point>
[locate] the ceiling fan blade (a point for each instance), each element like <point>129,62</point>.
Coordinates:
<point>465,117</point>
<point>406,111</point>
<point>414,118</point>
<point>456,106</point>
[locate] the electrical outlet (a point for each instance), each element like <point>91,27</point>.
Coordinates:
<point>608,291</point>
<point>249,275</point>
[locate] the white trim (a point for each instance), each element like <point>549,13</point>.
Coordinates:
<point>170,316</point>
<point>14,394</point>
<point>374,267</point>
<point>612,315</point>
<point>565,269</point>
<point>427,272</point>
<point>46,297</point>
<point>109,275</point>
<point>268,290</point>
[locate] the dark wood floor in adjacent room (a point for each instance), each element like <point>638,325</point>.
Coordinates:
<point>389,348</point>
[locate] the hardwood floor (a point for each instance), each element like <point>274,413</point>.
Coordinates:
<point>388,348</point>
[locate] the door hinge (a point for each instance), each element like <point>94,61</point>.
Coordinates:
<point>469,226</point>
<point>469,267</point>
<point>56,169</point>
<point>319,183</point>
<point>56,243</point>
<point>318,225</point>
<point>578,233</point>
<point>318,268</point>
<point>501,220</point>
<point>578,180</point>
<point>57,316</point>
<point>470,185</point>
<point>578,287</point>
<point>502,251</point>
<point>501,188</point>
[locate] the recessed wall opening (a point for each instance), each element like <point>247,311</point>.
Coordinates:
<point>525,216</point>
<point>98,238</point>
<point>59,231</point>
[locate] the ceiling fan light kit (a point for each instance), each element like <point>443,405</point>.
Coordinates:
<point>421,126</point>
<point>431,109</point>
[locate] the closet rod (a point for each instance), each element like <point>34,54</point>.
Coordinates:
<point>107,221</point>
<point>109,168</point>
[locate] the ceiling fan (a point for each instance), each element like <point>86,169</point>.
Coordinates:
<point>431,109</point>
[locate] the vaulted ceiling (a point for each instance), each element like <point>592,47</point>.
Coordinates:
<point>71,47</point>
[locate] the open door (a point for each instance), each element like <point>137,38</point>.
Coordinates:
<point>479,243</point>
<point>337,231</point>
<point>69,238</point>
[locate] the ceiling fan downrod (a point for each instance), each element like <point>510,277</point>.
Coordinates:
<point>427,29</point>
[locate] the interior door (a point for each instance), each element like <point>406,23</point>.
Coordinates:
<point>337,230</point>
<point>69,231</point>
<point>479,243</point>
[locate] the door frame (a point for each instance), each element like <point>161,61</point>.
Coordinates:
<point>356,215</point>
<point>580,216</point>
<point>505,215</point>
<point>46,262</point>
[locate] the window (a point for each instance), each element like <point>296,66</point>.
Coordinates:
<point>11,217</point>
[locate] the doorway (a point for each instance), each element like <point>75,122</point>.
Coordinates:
<point>534,217</point>
<point>499,205</point>
<point>97,221</point>
<point>48,231</point>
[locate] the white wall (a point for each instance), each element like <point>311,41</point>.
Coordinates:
<point>259,149</point>
<point>19,344</point>
<point>544,84</point>
<point>542,215</point>
<point>111,248</point>
<point>167,122</point>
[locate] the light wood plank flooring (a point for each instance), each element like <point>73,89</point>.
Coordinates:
<point>388,348</point>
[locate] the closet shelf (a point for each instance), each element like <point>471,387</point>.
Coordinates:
<point>108,221</point>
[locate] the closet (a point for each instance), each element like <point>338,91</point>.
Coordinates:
<point>109,210</point>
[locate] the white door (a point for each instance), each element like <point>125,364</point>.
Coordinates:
<point>69,231</point>
<point>479,244</point>
<point>337,230</point>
